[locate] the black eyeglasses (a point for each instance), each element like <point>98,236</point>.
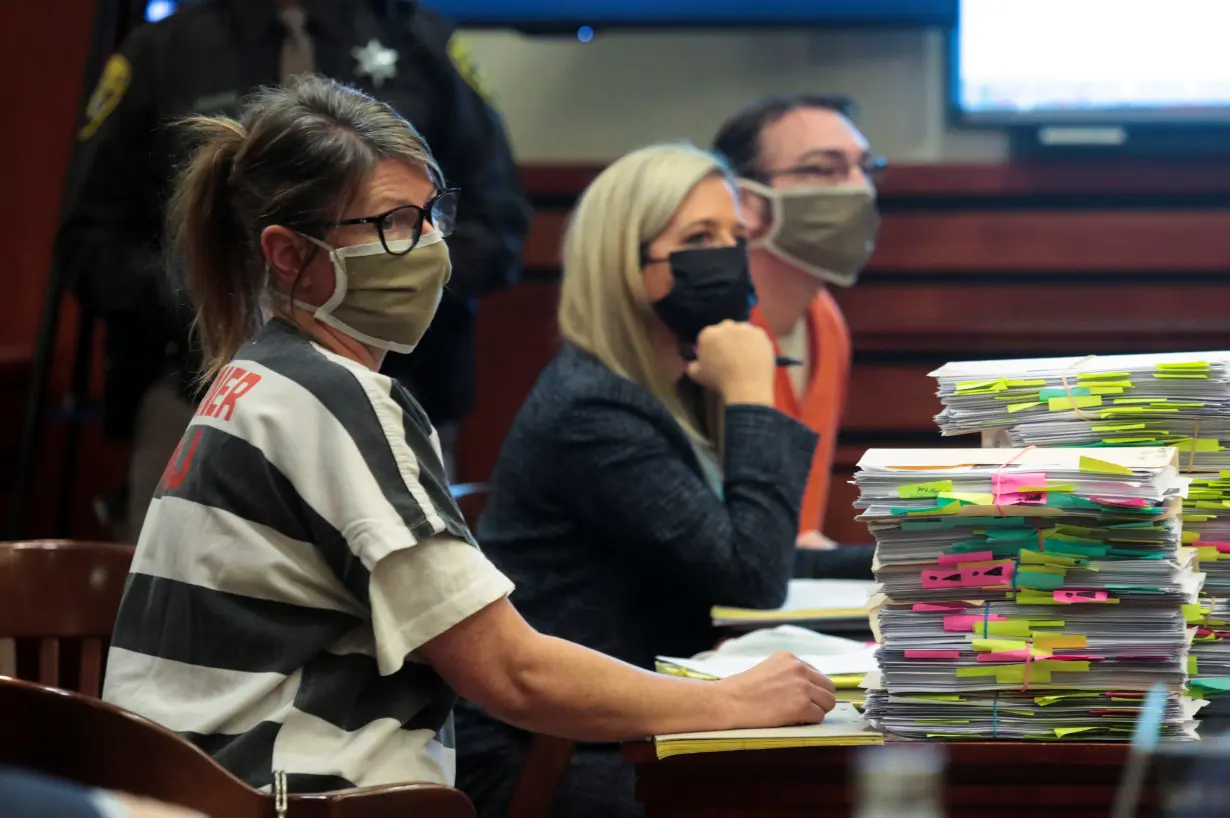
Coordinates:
<point>830,168</point>
<point>406,222</point>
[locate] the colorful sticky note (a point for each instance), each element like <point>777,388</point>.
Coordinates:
<point>1013,408</point>
<point>1019,627</point>
<point>964,623</point>
<point>1058,641</point>
<point>1038,580</point>
<point>1073,597</point>
<point>1092,464</point>
<point>1064,404</point>
<point>1060,392</point>
<point>938,607</point>
<point>916,490</point>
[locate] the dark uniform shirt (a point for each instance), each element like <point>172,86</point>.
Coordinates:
<point>205,59</point>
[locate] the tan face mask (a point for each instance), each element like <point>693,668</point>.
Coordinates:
<point>828,232</point>
<point>381,299</point>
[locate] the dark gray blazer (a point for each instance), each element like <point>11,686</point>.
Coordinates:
<point>601,514</point>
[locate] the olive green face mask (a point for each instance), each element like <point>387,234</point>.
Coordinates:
<point>828,232</point>
<point>385,300</point>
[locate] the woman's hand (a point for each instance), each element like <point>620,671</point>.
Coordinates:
<point>779,692</point>
<point>737,361</point>
<point>814,541</point>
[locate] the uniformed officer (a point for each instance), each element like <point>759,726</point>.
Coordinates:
<point>204,59</point>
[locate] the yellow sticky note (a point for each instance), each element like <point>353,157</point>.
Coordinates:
<point>999,645</point>
<point>1102,376</point>
<point>969,498</point>
<point>1183,366</point>
<point>1193,614</point>
<point>1027,596</point>
<point>1207,553</point>
<point>1192,668</point>
<point>997,385</point>
<point>1092,464</point>
<point>1056,641</point>
<point>1061,732</point>
<point>1041,559</point>
<point>1187,444</point>
<point>924,489</point>
<point>1121,427</point>
<point>1019,627</point>
<point>1020,407</point>
<point>1078,402</point>
<point>1190,536</point>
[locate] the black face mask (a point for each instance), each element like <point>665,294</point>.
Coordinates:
<point>711,285</point>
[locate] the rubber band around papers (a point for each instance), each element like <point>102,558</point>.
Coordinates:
<point>1063,377</point>
<point>1000,471</point>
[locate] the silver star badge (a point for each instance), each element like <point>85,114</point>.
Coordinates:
<point>375,61</point>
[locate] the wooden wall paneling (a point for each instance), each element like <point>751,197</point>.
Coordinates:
<point>1059,240</point>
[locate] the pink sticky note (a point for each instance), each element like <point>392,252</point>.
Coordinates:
<point>1131,502</point>
<point>952,655</point>
<point>939,607</point>
<point>983,576</point>
<point>1005,656</point>
<point>965,559</point>
<point>1072,597</point>
<point>965,623</point>
<point>1009,488</point>
<point>988,575</point>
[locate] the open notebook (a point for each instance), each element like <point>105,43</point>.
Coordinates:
<point>837,604</point>
<point>844,726</point>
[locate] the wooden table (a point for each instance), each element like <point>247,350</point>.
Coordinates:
<point>1000,779</point>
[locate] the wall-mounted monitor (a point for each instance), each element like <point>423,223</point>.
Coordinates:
<point>564,15</point>
<point>1091,62</point>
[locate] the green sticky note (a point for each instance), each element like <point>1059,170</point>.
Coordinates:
<point>1060,392</point>
<point>1038,580</point>
<point>1121,427</point>
<point>1212,684</point>
<point>1192,667</point>
<point>1179,376</point>
<point>917,490</point>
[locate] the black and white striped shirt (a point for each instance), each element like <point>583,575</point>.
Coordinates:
<point>301,546</point>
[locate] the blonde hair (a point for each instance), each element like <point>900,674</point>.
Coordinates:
<point>603,308</point>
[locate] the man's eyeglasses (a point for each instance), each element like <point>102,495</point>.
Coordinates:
<point>829,168</point>
<point>406,222</point>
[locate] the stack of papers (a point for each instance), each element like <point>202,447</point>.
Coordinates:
<point>842,726</point>
<point>1179,400</point>
<point>834,604</point>
<point>1028,593</point>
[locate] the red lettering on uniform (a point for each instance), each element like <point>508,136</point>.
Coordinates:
<point>219,379</point>
<point>243,387</point>
<point>175,472</point>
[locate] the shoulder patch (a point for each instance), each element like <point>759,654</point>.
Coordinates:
<point>114,82</point>
<point>463,61</point>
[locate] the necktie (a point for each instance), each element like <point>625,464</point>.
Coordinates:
<point>298,54</point>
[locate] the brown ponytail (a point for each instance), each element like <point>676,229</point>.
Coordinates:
<point>300,154</point>
<point>211,245</point>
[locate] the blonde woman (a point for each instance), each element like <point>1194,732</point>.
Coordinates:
<point>648,476</point>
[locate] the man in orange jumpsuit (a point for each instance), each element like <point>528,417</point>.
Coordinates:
<point>808,183</point>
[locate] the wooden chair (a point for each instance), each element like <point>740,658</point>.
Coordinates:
<point>91,742</point>
<point>58,601</point>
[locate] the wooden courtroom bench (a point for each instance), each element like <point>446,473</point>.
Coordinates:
<point>973,261</point>
<point>1005,779</point>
